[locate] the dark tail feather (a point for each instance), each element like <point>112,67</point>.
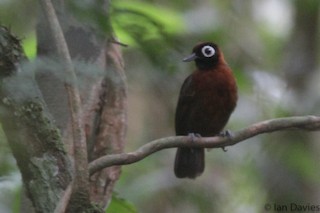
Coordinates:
<point>189,162</point>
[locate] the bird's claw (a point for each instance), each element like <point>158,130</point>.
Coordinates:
<point>193,136</point>
<point>227,133</point>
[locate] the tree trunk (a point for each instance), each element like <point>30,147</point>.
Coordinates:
<point>35,141</point>
<point>35,112</point>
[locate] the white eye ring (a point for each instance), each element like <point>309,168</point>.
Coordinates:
<point>208,51</point>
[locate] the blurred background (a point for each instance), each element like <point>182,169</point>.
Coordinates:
<point>273,49</point>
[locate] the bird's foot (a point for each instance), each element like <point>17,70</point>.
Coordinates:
<point>228,134</point>
<point>194,136</point>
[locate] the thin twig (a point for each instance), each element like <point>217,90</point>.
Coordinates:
<point>79,141</point>
<point>309,123</point>
<point>115,41</point>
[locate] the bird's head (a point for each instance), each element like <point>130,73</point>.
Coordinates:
<point>206,56</point>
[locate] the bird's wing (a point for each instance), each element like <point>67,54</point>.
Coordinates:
<point>185,102</point>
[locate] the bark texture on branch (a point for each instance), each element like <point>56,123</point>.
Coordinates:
<point>35,141</point>
<point>101,82</point>
<point>111,125</point>
<point>80,192</point>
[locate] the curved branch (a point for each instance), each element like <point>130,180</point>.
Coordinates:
<point>308,123</point>
<point>80,188</point>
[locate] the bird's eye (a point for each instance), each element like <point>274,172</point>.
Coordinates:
<point>208,51</point>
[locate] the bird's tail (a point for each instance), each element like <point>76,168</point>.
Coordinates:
<point>189,162</point>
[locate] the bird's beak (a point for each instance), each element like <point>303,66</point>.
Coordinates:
<point>191,57</point>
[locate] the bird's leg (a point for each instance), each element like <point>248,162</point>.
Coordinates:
<point>228,134</point>
<point>193,136</point>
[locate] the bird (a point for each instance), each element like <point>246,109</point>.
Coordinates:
<point>207,98</point>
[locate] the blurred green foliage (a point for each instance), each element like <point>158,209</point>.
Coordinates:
<point>137,20</point>
<point>276,168</point>
<point>29,45</point>
<point>120,205</point>
<point>144,25</point>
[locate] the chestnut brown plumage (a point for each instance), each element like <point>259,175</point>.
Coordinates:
<point>207,99</point>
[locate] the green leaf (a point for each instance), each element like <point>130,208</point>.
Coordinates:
<point>29,45</point>
<point>145,19</point>
<point>120,205</point>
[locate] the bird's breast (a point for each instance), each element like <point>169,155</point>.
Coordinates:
<point>214,100</point>
<point>217,85</point>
